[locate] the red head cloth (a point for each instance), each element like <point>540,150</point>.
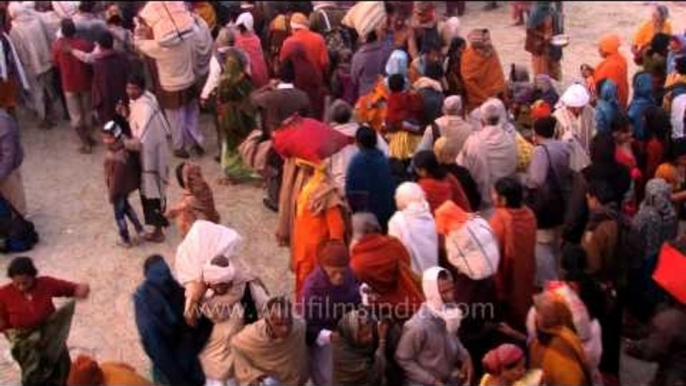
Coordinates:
<point>540,109</point>
<point>333,254</point>
<point>501,357</point>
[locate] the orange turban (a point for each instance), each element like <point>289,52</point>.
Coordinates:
<point>609,43</point>
<point>540,109</point>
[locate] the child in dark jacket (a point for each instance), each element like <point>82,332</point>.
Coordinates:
<point>122,179</point>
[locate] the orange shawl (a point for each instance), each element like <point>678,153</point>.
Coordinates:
<point>557,349</point>
<point>562,358</point>
<point>515,230</point>
<point>645,33</point>
<point>371,109</point>
<point>383,263</point>
<point>482,76</point>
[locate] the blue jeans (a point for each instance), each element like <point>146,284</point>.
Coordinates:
<point>122,210</point>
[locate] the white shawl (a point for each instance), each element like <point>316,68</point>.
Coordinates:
<point>677,116</point>
<point>414,225</point>
<point>150,127</point>
<point>204,242</point>
<point>30,39</point>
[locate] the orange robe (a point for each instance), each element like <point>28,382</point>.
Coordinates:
<point>482,76</point>
<point>312,228</point>
<point>383,263</point>
<point>615,68</point>
<point>314,45</point>
<point>515,230</point>
<point>645,33</point>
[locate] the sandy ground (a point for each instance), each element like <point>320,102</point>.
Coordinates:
<point>68,203</point>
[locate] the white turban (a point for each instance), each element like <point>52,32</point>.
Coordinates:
<point>408,193</point>
<point>452,105</point>
<point>575,96</point>
<point>246,19</point>
<point>214,274</point>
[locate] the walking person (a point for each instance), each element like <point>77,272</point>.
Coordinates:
<point>149,131</point>
<point>172,70</point>
<point>76,82</point>
<point>122,177</point>
<point>11,158</point>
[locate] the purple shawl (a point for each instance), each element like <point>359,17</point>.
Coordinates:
<point>325,304</point>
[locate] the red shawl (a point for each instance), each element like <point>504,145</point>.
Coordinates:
<point>383,263</point>
<point>309,79</point>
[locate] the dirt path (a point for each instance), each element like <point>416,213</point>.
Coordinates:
<point>68,203</point>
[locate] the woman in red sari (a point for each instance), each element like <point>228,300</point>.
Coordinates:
<point>248,42</point>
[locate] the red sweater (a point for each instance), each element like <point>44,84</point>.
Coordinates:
<point>19,311</point>
<point>76,76</point>
<point>440,191</point>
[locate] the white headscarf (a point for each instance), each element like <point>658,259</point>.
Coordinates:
<point>451,315</point>
<point>16,9</point>
<point>492,108</point>
<point>575,96</point>
<point>246,19</point>
<point>450,30</point>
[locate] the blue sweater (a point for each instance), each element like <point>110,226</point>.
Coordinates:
<point>369,173</point>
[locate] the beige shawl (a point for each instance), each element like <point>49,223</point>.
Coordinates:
<point>257,355</point>
<point>226,313</point>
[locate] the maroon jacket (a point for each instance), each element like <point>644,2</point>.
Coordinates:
<point>110,72</point>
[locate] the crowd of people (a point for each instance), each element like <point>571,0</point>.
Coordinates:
<point>448,223</point>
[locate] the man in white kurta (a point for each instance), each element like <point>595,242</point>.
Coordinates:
<point>149,132</point>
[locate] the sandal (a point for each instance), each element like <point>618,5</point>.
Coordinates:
<point>153,237</point>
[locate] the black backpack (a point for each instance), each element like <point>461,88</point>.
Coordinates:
<point>629,253</point>
<point>549,202</point>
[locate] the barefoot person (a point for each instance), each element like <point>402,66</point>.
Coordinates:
<point>36,331</point>
<point>149,130</point>
<point>197,202</point>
